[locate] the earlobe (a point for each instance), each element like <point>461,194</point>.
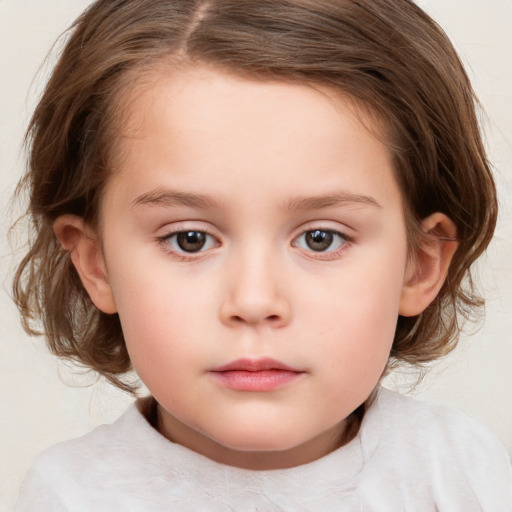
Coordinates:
<point>85,251</point>
<point>427,271</point>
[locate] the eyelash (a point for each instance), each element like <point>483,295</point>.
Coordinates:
<point>343,241</point>
<point>183,255</point>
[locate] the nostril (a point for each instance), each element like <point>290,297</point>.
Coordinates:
<point>238,310</point>
<point>239,319</point>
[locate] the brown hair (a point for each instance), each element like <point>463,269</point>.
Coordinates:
<point>387,55</point>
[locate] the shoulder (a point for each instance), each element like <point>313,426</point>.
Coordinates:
<point>461,458</point>
<point>65,474</point>
<point>436,425</point>
<point>105,442</point>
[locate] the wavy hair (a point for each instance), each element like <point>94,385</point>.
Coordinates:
<point>387,55</point>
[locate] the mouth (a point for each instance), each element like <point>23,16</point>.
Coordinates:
<point>255,374</point>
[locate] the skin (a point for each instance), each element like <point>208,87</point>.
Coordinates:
<point>256,165</point>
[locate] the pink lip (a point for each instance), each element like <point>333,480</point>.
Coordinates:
<point>255,374</point>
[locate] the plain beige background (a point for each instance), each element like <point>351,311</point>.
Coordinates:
<point>39,409</point>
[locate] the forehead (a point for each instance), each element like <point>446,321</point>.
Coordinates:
<point>219,128</point>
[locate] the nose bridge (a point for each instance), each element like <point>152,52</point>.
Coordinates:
<point>256,293</point>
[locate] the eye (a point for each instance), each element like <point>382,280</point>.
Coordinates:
<point>320,240</point>
<point>190,241</point>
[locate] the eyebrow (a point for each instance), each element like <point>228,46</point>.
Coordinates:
<point>330,200</point>
<point>170,198</point>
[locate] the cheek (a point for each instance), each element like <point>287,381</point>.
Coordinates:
<point>156,319</point>
<point>163,320</point>
<point>359,316</point>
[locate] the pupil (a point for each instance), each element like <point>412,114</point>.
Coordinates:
<point>191,241</point>
<point>318,240</point>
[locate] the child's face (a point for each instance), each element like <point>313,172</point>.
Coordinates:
<point>250,222</point>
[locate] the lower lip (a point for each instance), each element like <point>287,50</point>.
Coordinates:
<point>263,380</point>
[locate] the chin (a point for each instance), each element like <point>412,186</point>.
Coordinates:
<point>258,442</point>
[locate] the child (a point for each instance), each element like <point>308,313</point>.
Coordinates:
<point>261,207</point>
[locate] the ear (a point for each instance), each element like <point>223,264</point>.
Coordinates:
<point>427,270</point>
<point>85,251</point>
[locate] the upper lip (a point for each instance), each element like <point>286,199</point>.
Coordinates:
<point>255,365</point>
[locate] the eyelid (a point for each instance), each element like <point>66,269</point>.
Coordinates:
<point>323,226</point>
<point>170,232</point>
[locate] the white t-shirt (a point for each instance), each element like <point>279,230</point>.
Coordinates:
<point>408,456</point>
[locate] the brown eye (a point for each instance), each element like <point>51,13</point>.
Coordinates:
<point>319,240</point>
<point>191,241</point>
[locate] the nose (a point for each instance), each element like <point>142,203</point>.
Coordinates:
<point>255,294</point>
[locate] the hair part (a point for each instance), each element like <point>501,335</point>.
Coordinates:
<point>387,55</point>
